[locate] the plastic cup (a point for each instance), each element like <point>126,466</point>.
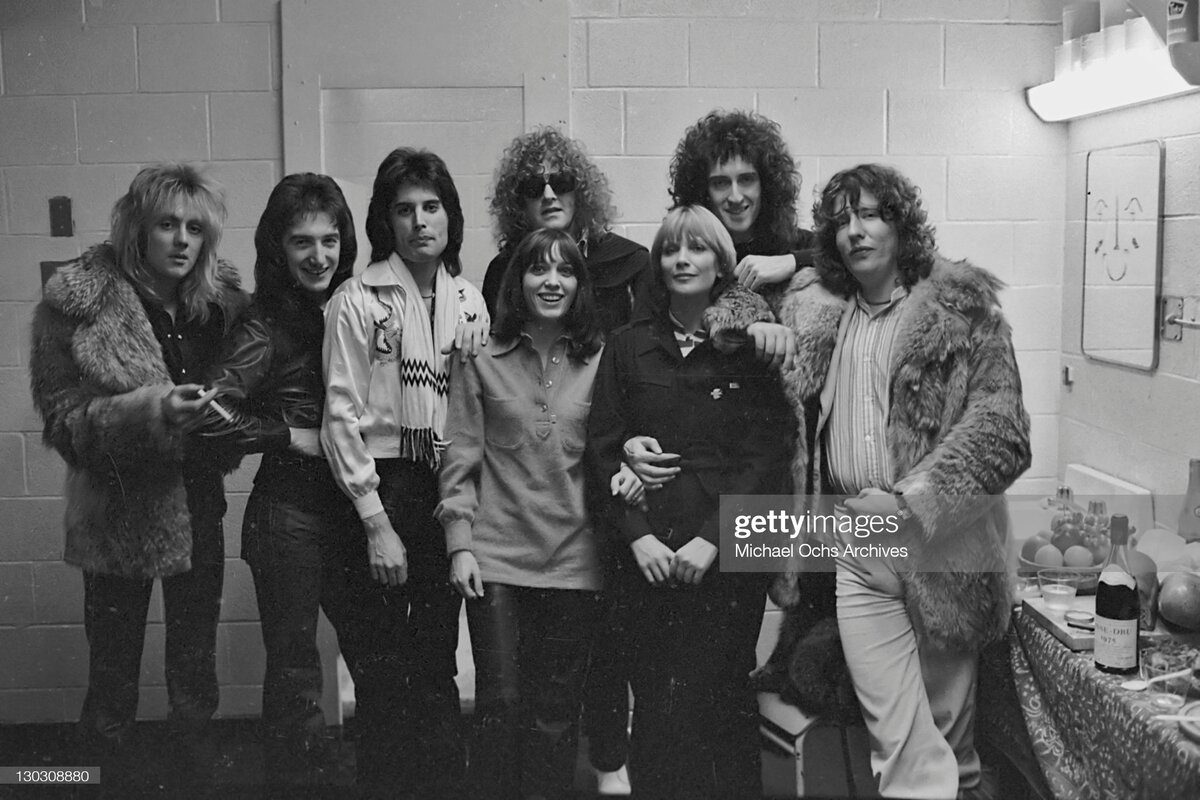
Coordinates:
<point>1168,694</point>
<point>1059,587</point>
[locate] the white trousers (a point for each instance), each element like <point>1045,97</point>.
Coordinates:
<point>919,703</point>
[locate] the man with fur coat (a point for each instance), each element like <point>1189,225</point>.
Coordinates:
<point>920,423</point>
<point>121,341</point>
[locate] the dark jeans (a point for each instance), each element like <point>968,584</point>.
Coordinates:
<point>695,717</point>
<point>114,619</point>
<point>399,643</point>
<point>531,650</point>
<point>295,544</point>
<point>606,693</point>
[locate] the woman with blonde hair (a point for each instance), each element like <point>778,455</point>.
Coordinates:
<point>120,342</point>
<point>692,628</point>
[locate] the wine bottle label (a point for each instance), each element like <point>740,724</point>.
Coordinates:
<point>1116,642</point>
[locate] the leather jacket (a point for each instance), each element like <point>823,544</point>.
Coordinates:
<point>269,380</point>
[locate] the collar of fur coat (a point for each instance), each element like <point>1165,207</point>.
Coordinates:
<point>113,344</point>
<point>87,286</point>
<point>937,318</point>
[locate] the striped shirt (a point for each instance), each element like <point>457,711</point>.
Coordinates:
<point>856,434</point>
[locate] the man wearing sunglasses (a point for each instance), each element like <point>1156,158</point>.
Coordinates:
<point>545,180</point>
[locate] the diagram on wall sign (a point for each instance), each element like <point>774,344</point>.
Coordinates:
<point>1122,225</point>
<point>1122,241</point>
<point>1114,251</point>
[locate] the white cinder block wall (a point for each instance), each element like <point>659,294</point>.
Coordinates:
<point>1140,426</point>
<point>934,88</point>
<point>91,91</point>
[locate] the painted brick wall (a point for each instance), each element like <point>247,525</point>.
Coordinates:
<point>91,92</point>
<point>1139,426</point>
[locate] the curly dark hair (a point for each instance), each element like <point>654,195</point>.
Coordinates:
<point>295,197</point>
<point>522,159</point>
<point>582,322</point>
<point>899,203</point>
<point>721,135</point>
<point>422,168</point>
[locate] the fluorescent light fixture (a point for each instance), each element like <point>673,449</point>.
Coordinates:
<point>1134,77</point>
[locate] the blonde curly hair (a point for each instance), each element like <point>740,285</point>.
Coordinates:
<point>522,159</point>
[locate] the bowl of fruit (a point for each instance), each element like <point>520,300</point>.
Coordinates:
<point>1076,540</point>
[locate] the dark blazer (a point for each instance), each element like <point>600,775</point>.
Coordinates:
<point>725,415</point>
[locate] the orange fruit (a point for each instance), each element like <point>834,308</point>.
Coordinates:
<point>1048,556</point>
<point>1077,556</point>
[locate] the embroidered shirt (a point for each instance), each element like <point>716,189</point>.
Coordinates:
<point>367,368</point>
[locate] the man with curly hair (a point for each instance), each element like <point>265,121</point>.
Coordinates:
<point>737,164</point>
<point>920,421</point>
<point>546,180</point>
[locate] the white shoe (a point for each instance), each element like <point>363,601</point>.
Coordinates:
<point>613,784</point>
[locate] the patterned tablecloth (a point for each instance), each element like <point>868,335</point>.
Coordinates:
<point>1090,737</point>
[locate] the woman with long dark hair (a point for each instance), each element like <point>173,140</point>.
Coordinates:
<point>692,627</point>
<point>522,548</point>
<point>120,342</point>
<point>270,386</point>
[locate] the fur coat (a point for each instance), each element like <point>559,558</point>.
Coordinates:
<point>957,431</point>
<point>98,378</point>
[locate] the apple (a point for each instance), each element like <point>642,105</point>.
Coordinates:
<point>1179,600</point>
<point>1099,547</point>
<point>1067,537</point>
<point>1033,544</point>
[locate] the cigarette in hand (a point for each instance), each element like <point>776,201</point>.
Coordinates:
<point>217,407</point>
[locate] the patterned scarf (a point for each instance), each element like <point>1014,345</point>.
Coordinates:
<point>424,371</point>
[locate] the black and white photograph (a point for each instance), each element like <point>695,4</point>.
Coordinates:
<point>573,399</point>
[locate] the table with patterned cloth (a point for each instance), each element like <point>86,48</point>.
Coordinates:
<point>1091,738</point>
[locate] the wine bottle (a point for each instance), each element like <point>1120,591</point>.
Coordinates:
<point>1117,606</point>
<point>1189,515</point>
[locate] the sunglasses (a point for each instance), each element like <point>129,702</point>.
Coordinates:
<point>534,186</point>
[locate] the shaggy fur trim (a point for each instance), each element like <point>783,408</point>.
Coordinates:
<point>958,433</point>
<point>735,310</point>
<point>98,377</point>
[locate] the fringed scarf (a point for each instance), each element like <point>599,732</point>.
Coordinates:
<point>424,373</point>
